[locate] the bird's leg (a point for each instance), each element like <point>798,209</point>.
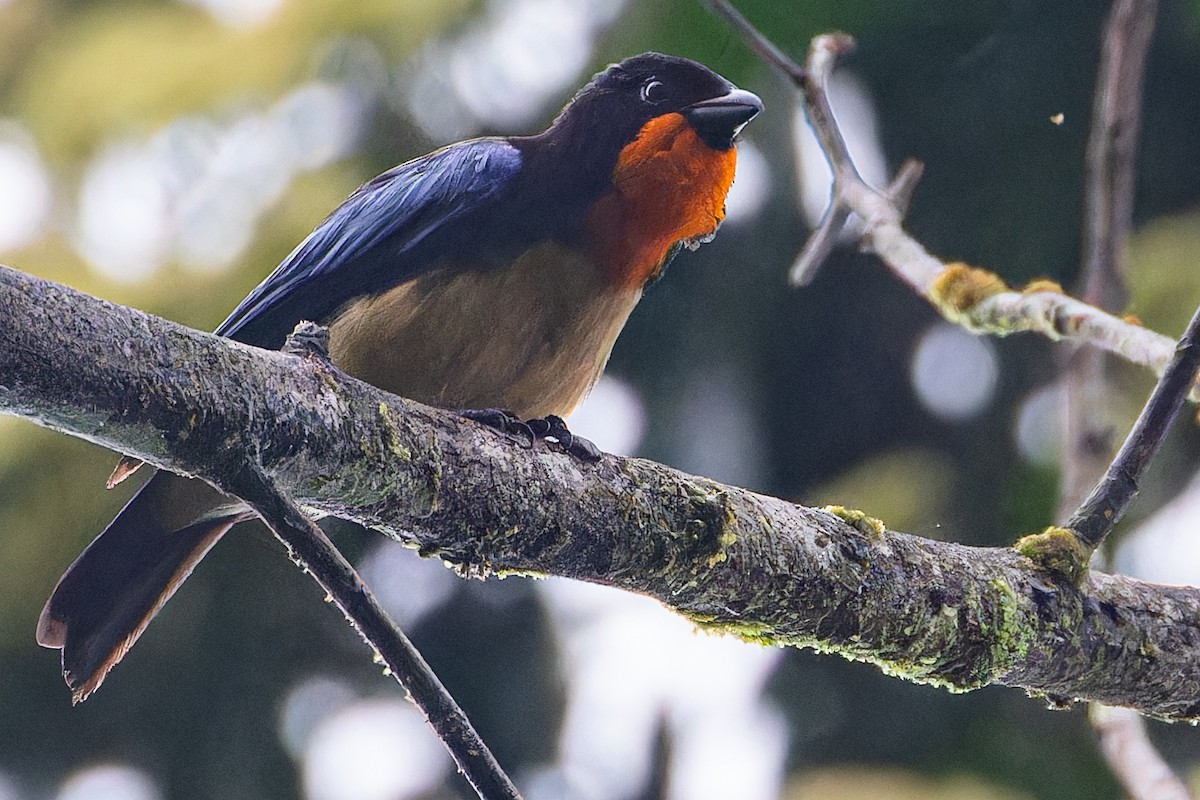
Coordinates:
<point>308,339</point>
<point>500,419</point>
<point>546,428</point>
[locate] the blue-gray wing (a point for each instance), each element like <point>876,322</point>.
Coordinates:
<point>391,230</point>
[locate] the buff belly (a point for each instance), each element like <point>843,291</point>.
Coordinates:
<point>532,337</point>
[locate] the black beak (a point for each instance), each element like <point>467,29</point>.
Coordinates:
<point>718,121</point>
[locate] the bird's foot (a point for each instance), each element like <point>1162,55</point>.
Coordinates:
<point>553,428</point>
<point>308,339</point>
<point>500,419</point>
<point>550,428</point>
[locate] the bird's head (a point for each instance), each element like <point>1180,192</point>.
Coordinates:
<point>618,103</point>
<point>649,146</point>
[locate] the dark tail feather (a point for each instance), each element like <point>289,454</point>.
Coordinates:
<point>116,586</point>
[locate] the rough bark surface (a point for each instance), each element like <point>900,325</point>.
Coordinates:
<point>729,559</point>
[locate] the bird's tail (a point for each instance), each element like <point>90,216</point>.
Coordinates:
<point>116,586</point>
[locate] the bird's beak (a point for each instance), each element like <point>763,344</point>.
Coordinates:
<point>719,120</point>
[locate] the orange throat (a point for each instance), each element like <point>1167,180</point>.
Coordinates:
<point>668,187</point>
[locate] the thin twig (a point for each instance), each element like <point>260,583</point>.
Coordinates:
<point>820,244</point>
<point>1112,142</point>
<point>823,56</point>
<point>1108,219</point>
<point>1121,733</point>
<point>763,47</point>
<point>999,313</point>
<point>812,81</point>
<point>312,550</point>
<point>1088,435</point>
<point>1108,502</point>
<point>815,86</point>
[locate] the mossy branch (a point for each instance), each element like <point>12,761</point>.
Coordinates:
<point>729,559</point>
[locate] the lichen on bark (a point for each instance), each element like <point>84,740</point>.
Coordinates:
<point>754,566</point>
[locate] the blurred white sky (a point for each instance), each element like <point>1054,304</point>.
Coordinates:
<point>109,782</point>
<point>630,665</point>
<point>954,372</point>
<point>194,191</point>
<point>1164,548</point>
<point>25,190</point>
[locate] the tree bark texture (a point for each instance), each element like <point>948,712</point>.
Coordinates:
<point>729,559</point>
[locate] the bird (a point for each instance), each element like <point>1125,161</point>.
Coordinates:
<point>491,276</point>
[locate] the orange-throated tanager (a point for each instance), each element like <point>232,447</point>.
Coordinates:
<point>491,274</point>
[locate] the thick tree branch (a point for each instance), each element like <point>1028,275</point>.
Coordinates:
<point>752,565</point>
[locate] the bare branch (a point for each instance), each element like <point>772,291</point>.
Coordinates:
<point>1108,217</point>
<point>1131,756</point>
<point>973,298</point>
<point>312,550</point>
<point>728,559</point>
<point>819,245</point>
<point>763,47</point>
<point>1112,142</point>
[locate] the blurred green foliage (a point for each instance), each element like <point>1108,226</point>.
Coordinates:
<point>968,88</point>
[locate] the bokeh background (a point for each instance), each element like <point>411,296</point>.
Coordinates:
<point>167,153</point>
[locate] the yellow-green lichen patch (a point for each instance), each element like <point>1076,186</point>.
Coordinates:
<point>923,669</point>
<point>726,538</point>
<point>753,633</point>
<point>518,573</point>
<point>961,287</point>
<point>1058,551</point>
<point>859,520</point>
<point>1011,638</point>
<point>392,434</point>
<point>932,658</point>
<point>917,672</point>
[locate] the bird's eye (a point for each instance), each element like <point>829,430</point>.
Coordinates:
<point>653,92</point>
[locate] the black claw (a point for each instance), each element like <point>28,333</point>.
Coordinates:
<point>541,428</point>
<point>584,449</point>
<point>558,430</point>
<point>553,428</point>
